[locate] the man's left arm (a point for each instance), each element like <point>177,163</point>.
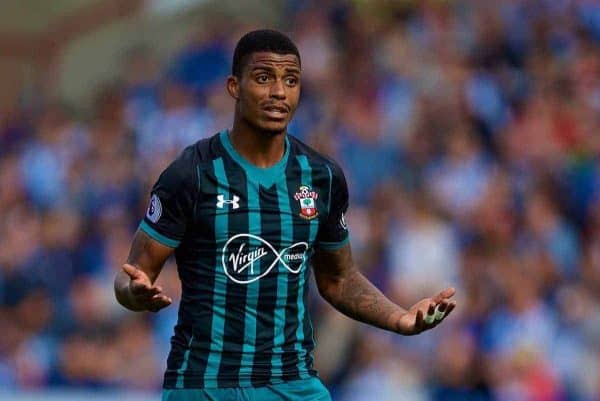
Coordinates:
<point>347,290</point>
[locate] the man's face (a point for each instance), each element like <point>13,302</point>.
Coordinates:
<point>268,91</point>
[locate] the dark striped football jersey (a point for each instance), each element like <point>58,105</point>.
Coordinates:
<point>244,237</point>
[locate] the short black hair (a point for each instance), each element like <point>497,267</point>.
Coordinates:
<point>262,40</point>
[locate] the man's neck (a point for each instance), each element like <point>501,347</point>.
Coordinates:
<point>261,149</point>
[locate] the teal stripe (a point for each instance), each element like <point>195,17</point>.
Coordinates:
<point>252,290</point>
<point>220,288</point>
<point>314,227</point>
<point>332,246</point>
<point>171,243</point>
<point>330,186</point>
<point>285,240</point>
<point>184,364</point>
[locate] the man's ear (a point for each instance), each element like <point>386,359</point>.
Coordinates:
<point>233,87</point>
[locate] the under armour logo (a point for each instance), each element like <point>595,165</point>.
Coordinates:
<point>221,201</point>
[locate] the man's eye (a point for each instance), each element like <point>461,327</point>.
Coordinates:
<point>291,81</point>
<point>262,78</point>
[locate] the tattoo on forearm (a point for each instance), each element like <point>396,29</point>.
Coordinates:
<point>352,294</point>
<point>361,300</point>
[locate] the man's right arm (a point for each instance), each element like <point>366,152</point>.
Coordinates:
<point>163,228</point>
<point>134,284</point>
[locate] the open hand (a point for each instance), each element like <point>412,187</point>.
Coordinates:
<point>143,293</point>
<point>427,313</point>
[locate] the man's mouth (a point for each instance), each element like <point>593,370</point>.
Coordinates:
<point>276,112</point>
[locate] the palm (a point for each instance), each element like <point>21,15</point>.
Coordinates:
<point>414,321</point>
<point>144,293</point>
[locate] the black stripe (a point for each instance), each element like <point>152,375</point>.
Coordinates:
<point>200,282</point>
<point>235,304</point>
<point>270,221</point>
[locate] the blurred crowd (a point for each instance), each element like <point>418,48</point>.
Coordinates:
<point>469,132</point>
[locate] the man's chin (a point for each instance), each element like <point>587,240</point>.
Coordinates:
<point>273,128</point>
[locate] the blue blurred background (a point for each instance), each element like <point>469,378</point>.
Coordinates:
<point>470,136</point>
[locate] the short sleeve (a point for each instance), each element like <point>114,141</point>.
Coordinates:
<point>171,204</point>
<point>333,232</point>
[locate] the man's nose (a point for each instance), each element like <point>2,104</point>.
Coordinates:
<point>278,89</point>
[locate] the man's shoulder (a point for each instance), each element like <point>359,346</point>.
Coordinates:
<point>183,167</point>
<point>315,158</point>
<point>203,150</point>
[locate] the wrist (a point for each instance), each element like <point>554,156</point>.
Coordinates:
<point>399,322</point>
<point>405,324</point>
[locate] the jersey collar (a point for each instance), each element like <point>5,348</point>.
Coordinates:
<point>266,176</point>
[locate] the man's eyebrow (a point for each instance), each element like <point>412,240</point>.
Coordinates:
<point>268,67</point>
<point>262,67</point>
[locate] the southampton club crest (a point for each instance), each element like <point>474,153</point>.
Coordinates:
<point>307,199</point>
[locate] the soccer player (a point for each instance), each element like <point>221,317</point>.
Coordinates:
<point>247,212</point>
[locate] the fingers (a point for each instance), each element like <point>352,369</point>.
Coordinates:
<point>436,313</point>
<point>145,294</point>
<point>159,302</point>
<point>419,322</point>
<point>447,293</point>
<point>442,307</point>
<point>140,290</point>
<point>155,302</point>
<point>131,271</point>
<point>161,297</point>
<point>441,313</point>
<point>424,316</point>
<point>450,308</point>
<point>140,284</point>
<point>429,318</point>
<point>136,274</point>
